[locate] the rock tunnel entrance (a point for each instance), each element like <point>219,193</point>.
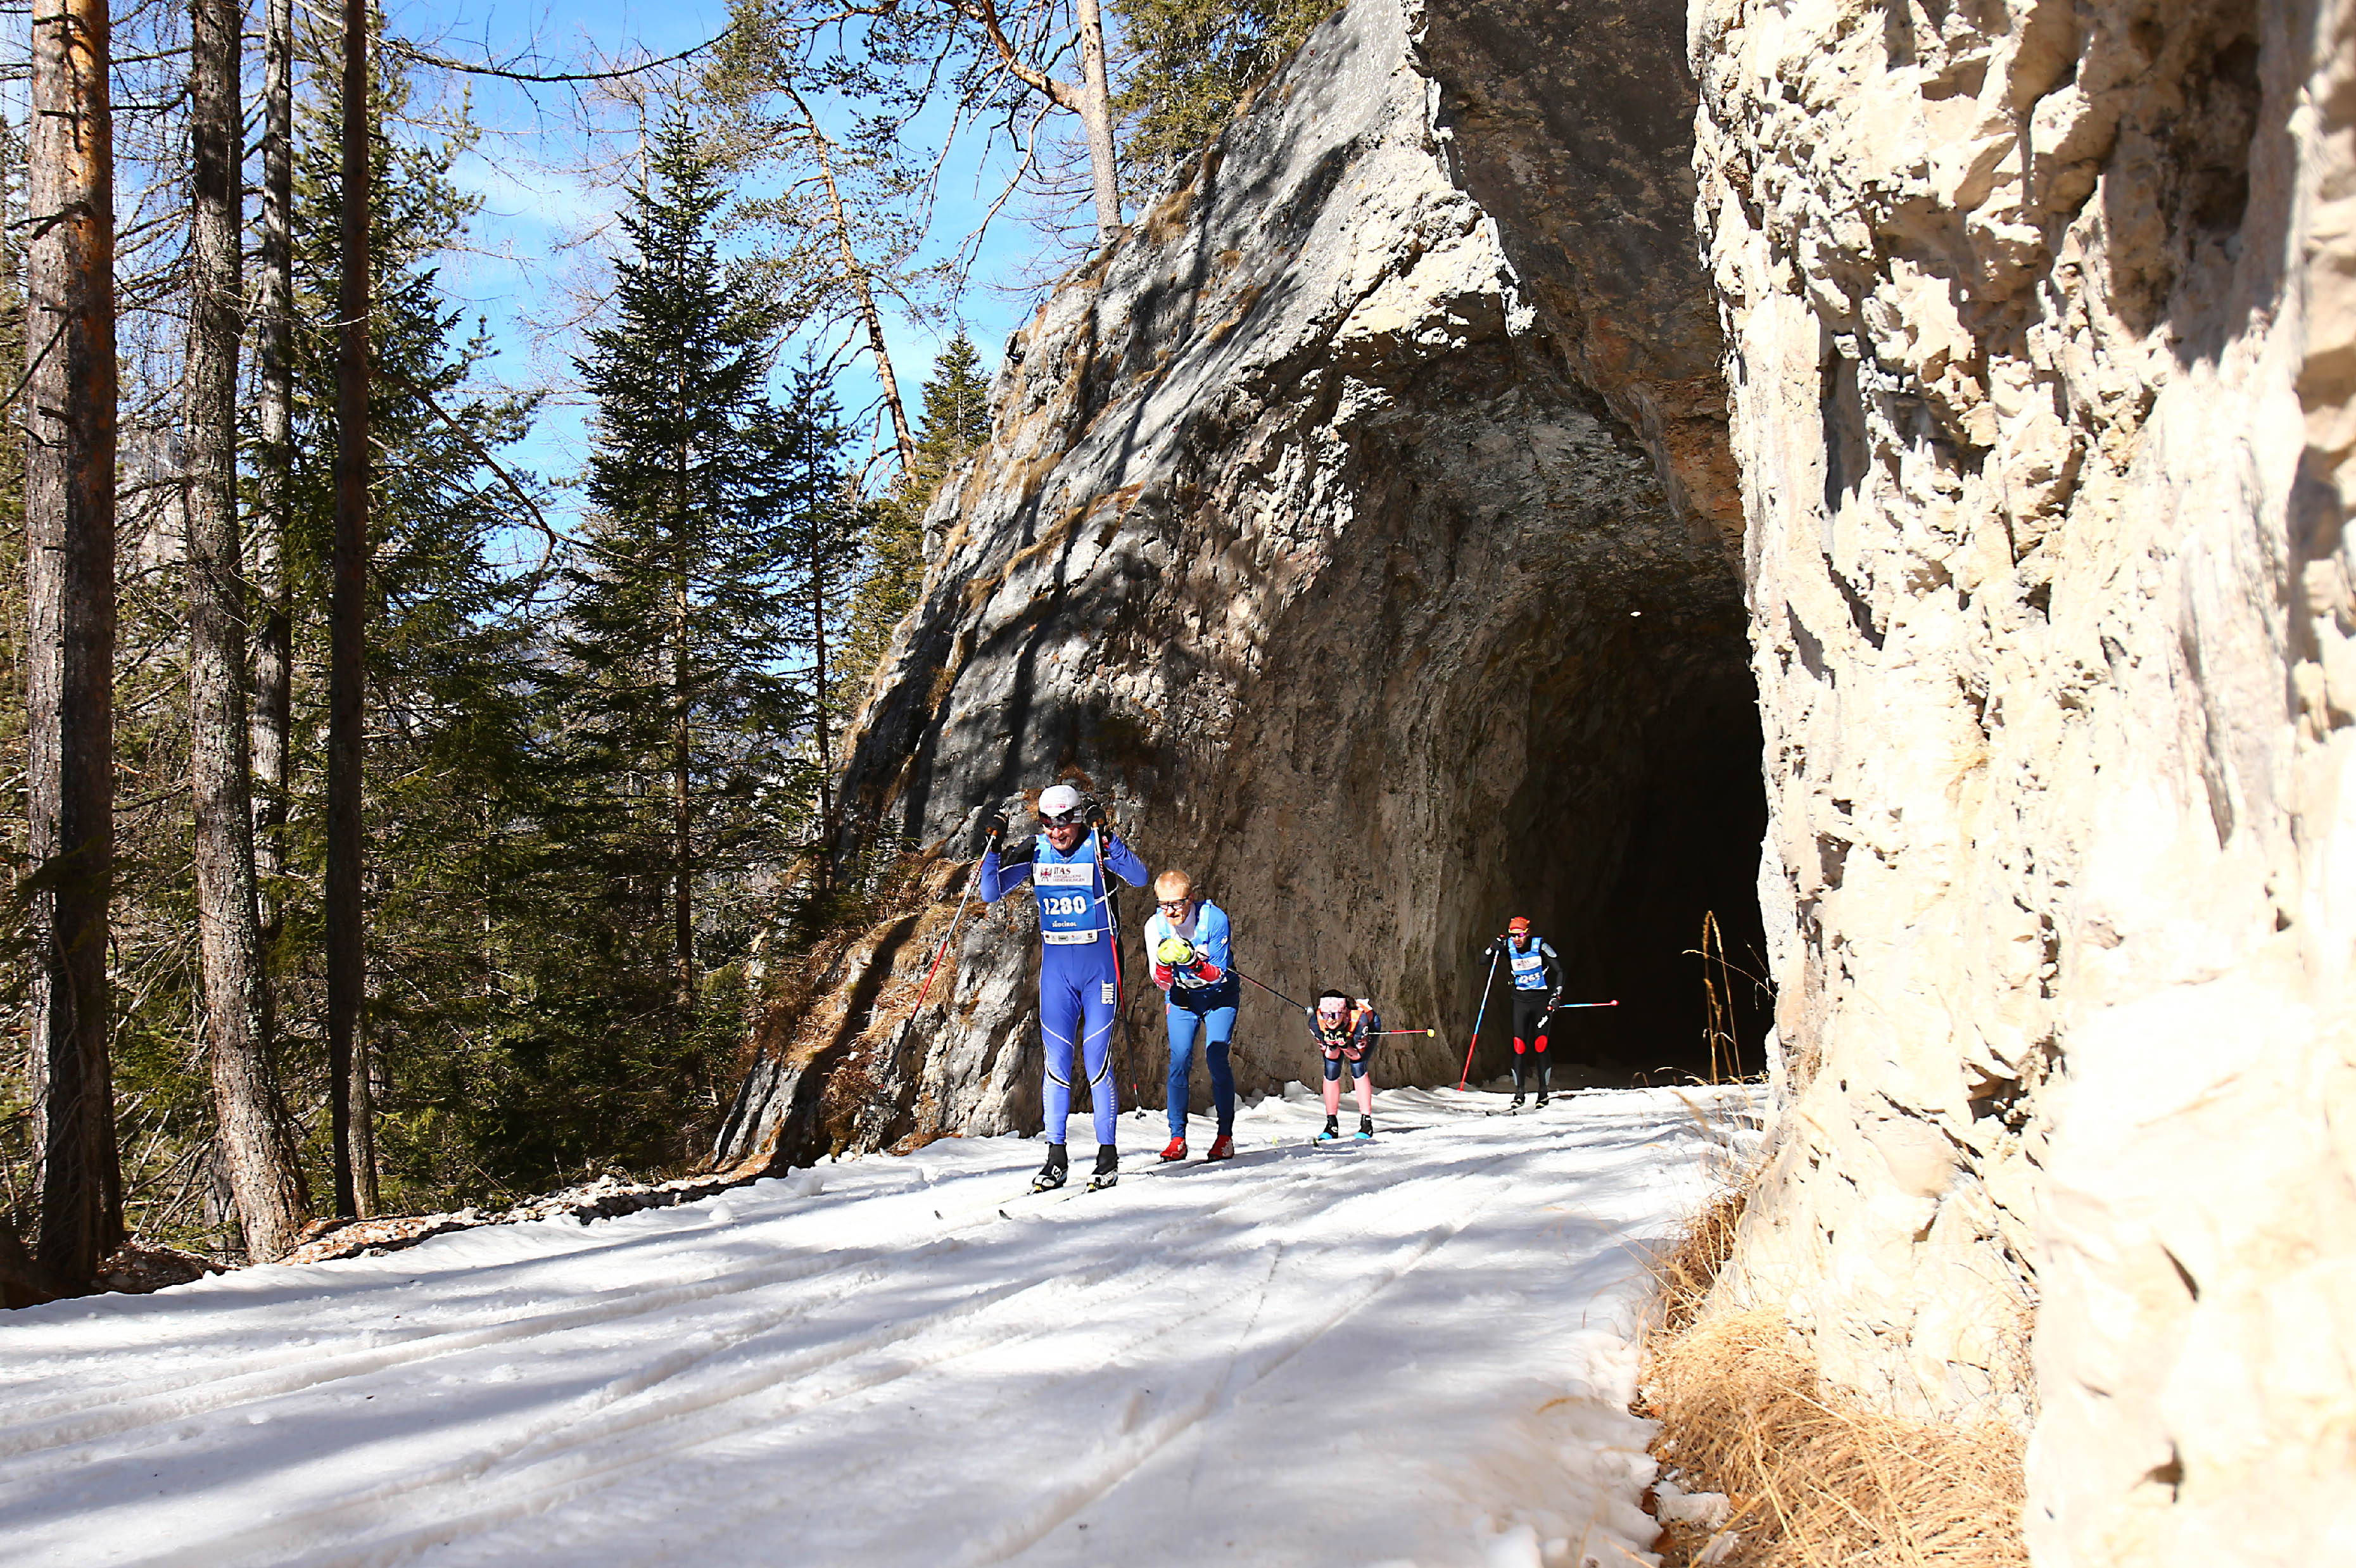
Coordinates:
<point>1642,816</point>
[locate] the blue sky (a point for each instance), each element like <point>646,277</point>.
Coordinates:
<point>527,272</point>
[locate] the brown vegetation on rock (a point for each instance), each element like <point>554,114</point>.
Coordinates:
<point>1816,1479</point>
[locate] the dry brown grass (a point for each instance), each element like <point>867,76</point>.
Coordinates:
<point>1686,1270</point>
<point>1816,1479</point>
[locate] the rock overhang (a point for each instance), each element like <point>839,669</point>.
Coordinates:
<point>1365,543</point>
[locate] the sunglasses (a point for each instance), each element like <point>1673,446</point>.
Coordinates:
<point>1071,818</point>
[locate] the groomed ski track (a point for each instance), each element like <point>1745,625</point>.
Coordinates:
<point>1418,1351</point>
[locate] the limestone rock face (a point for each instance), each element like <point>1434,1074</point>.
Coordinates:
<point>2041,333</point>
<point>1361,526</point>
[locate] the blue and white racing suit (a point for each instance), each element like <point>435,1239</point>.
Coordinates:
<point>1079,964</point>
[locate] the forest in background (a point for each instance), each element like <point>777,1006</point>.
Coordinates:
<point>587,751</point>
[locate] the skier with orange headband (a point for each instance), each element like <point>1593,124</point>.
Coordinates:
<point>1537,974</point>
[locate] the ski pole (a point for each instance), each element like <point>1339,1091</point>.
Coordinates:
<point>1554,1008</point>
<point>1488,980</point>
<point>926,990</point>
<point>1380,1032</point>
<point>1120,992</point>
<point>1264,986</point>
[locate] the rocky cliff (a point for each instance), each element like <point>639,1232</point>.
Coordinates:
<point>1496,459</point>
<point>1362,529</point>
<point>2040,346</point>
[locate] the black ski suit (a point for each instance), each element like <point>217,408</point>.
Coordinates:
<point>1535,972</point>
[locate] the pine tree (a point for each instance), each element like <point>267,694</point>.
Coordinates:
<point>956,423</point>
<point>71,384</point>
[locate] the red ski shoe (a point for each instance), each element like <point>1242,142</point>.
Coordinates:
<point>1176,1149</point>
<point>1222,1148</point>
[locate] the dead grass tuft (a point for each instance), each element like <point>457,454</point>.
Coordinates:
<point>1688,1270</point>
<point>1816,1479</point>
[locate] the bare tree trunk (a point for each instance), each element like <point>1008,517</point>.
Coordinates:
<point>254,1144</point>
<point>869,315</point>
<point>820,544</point>
<point>273,687</point>
<point>682,811</point>
<point>1091,100</point>
<point>70,593</point>
<point>1096,114</point>
<point>346,632</point>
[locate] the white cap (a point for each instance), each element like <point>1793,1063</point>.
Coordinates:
<point>1058,800</point>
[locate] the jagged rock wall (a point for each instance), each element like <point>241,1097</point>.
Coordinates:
<point>2041,337</point>
<point>1362,527</point>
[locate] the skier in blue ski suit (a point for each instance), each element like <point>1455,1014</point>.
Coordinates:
<point>1079,963</point>
<point>1188,939</point>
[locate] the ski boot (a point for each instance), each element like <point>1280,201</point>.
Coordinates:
<point>1108,1169</point>
<point>1052,1174</point>
<point>1515,1103</point>
<point>1174,1149</point>
<point>1544,1095</point>
<point>1333,1130</point>
<point>1365,1127</point>
<point>1222,1148</point>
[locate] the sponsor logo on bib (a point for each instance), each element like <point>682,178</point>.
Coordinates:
<point>1052,874</point>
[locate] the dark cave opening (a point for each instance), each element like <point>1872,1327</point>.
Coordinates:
<point>1692,830</point>
<point>1642,814</point>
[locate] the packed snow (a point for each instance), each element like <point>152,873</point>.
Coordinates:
<point>1417,1351</point>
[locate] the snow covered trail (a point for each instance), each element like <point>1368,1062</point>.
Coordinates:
<point>1417,1351</point>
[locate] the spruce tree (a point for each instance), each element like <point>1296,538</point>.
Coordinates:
<point>1185,64</point>
<point>818,521</point>
<point>463,907</point>
<point>679,721</point>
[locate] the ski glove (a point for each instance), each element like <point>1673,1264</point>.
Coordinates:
<point>1095,813</point>
<point>993,827</point>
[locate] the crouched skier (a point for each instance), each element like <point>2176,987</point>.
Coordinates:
<point>1345,1035</point>
<point>1188,938</point>
<point>1080,961</point>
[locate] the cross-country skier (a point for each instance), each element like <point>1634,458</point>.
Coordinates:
<point>1345,1035</point>
<point>1536,975</point>
<point>1193,962</point>
<point>1079,964</point>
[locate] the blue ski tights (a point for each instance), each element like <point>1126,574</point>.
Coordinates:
<point>1076,993</point>
<point>1216,1027</point>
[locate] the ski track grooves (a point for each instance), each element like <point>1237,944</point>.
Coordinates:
<point>578,1390</point>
